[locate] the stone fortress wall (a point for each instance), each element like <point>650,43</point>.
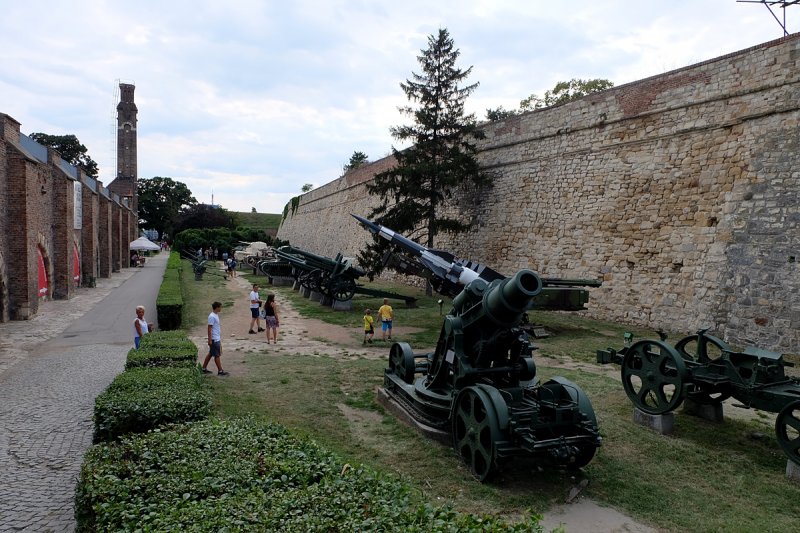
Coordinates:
<point>679,191</point>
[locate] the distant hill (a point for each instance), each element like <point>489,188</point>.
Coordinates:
<point>269,222</point>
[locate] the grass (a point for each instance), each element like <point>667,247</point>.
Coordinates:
<point>705,477</point>
<point>264,221</point>
<point>424,319</point>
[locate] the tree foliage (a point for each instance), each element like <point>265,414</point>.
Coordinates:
<point>306,188</point>
<point>500,113</point>
<point>356,160</point>
<point>161,200</point>
<point>441,159</point>
<point>71,150</point>
<point>204,216</point>
<point>565,91</point>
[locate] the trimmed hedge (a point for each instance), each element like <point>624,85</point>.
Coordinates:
<point>176,339</point>
<point>141,399</point>
<point>162,356</point>
<point>169,302</point>
<point>242,475</point>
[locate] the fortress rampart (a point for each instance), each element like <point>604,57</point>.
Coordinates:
<point>679,191</point>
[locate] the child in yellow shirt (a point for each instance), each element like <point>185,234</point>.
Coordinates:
<point>369,331</point>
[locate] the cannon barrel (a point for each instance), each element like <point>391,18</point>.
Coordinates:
<point>503,302</point>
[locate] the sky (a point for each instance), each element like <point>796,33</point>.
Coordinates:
<point>245,101</point>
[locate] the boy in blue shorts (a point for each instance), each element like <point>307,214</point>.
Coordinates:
<point>214,341</point>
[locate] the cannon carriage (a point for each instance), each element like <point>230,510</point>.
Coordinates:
<point>480,385</point>
<point>333,278</point>
<point>658,377</point>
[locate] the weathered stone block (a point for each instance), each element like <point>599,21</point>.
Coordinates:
<point>662,424</point>
<point>706,411</point>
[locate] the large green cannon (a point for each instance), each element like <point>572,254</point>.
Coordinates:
<point>448,274</point>
<point>333,278</point>
<point>658,377</point>
<point>480,385</point>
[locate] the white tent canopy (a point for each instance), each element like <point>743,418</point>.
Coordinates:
<point>143,243</point>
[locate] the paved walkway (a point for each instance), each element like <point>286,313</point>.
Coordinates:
<point>51,369</point>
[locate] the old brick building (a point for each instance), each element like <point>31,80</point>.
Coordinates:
<point>60,228</point>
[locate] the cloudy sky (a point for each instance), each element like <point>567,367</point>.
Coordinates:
<point>251,99</point>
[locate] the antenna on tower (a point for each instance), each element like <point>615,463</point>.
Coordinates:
<point>783,4</point>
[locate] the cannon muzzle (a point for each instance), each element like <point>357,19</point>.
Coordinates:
<point>506,302</point>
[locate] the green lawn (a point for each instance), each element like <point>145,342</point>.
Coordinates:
<point>705,477</point>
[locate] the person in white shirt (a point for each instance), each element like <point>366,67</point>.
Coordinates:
<point>140,326</point>
<point>255,305</point>
<point>214,341</point>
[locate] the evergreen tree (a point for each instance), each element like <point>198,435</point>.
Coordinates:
<point>441,159</point>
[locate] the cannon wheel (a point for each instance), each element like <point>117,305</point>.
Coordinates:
<point>653,375</point>
<point>787,429</point>
<point>701,348</point>
<point>343,289</point>
<point>475,428</point>
<point>401,361</point>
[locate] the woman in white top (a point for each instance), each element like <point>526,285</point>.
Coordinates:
<point>140,326</point>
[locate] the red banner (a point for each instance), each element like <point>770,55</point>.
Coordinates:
<point>76,266</point>
<point>43,285</point>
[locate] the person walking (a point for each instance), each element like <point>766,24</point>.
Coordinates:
<point>369,330</point>
<point>255,304</point>
<point>140,326</point>
<point>214,341</point>
<point>271,318</point>
<point>386,314</point>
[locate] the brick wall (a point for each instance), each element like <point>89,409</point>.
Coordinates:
<point>37,200</point>
<point>104,227</point>
<point>90,243</point>
<point>116,236</point>
<point>679,191</point>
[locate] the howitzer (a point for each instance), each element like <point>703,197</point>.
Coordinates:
<point>333,278</point>
<point>658,377</point>
<point>448,274</point>
<point>480,385</point>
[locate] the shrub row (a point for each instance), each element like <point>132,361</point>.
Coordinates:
<point>242,475</point>
<point>185,356</point>
<point>169,302</point>
<point>141,399</point>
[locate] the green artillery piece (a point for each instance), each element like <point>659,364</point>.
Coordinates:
<point>448,274</point>
<point>657,377</point>
<point>480,385</point>
<point>333,278</point>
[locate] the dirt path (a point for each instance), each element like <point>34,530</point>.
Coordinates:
<point>300,335</point>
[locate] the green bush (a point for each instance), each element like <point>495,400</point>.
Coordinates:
<point>169,303</point>
<point>162,356</point>
<point>141,399</point>
<point>242,475</point>
<point>175,339</point>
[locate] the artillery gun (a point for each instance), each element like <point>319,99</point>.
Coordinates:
<point>658,377</point>
<point>480,385</point>
<point>448,274</point>
<point>333,278</point>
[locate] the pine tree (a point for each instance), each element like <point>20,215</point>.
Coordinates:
<point>440,161</point>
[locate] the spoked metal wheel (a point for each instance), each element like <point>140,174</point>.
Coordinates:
<point>343,289</point>
<point>475,430</point>
<point>701,348</point>
<point>787,429</point>
<point>401,361</point>
<point>653,375</point>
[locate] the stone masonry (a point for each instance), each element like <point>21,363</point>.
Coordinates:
<point>679,191</point>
